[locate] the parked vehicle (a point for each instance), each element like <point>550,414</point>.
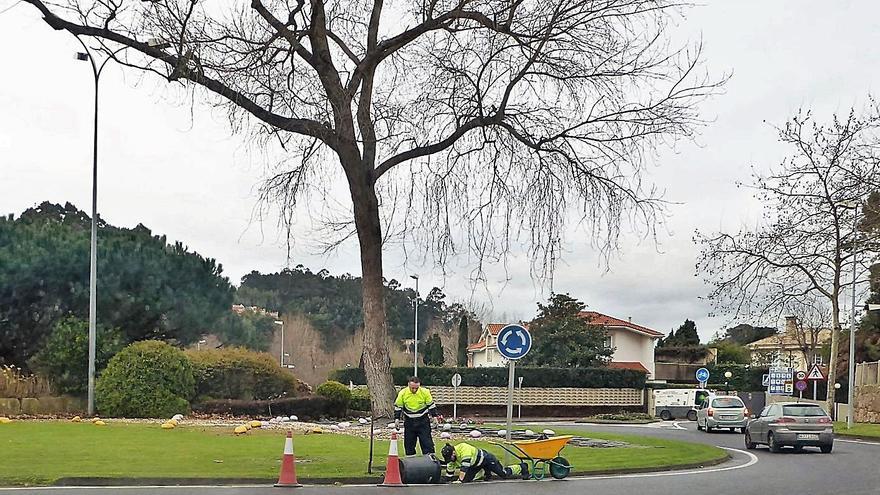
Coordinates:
<point>675,403</point>
<point>722,412</point>
<point>795,424</point>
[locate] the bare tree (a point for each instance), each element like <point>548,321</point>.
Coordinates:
<point>497,118</point>
<point>812,319</point>
<point>803,248</point>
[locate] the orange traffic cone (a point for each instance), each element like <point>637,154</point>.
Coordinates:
<point>392,471</point>
<point>287,478</point>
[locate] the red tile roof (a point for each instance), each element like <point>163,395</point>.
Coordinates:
<point>628,365</point>
<point>477,346</point>
<point>610,321</point>
<point>494,328</point>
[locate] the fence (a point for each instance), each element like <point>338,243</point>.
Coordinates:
<point>571,397</point>
<point>868,374</point>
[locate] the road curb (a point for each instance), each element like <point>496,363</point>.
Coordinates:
<point>109,482</point>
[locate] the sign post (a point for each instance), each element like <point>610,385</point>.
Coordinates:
<point>514,342</point>
<point>456,381</point>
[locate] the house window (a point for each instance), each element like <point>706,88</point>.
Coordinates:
<point>488,355</point>
<point>609,342</point>
<point>817,360</point>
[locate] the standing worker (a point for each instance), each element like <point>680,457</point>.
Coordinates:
<point>417,406</point>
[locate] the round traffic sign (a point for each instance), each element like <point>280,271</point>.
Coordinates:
<point>801,375</point>
<point>801,385</point>
<point>702,375</point>
<point>514,342</point>
<point>456,380</point>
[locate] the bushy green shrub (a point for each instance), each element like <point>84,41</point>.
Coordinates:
<point>63,359</point>
<point>148,379</point>
<point>360,400</point>
<point>305,408</point>
<point>238,373</point>
<point>338,394</point>
<point>497,377</point>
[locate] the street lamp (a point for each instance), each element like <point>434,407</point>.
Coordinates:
<point>93,246</point>
<point>727,376</point>
<point>279,322</point>
<point>416,328</point>
<point>854,204</point>
<point>836,388</point>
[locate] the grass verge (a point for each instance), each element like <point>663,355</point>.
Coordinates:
<point>41,453</point>
<point>862,430</point>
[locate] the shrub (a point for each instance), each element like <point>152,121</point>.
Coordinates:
<point>338,394</point>
<point>497,377</point>
<point>305,408</point>
<point>238,373</point>
<point>148,379</point>
<point>360,400</point>
<point>64,355</point>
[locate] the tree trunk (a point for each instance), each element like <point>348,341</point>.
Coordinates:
<point>832,360</point>
<point>377,360</point>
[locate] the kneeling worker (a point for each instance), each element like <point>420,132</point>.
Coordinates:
<point>417,406</point>
<point>470,460</point>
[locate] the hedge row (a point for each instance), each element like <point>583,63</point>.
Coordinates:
<point>305,408</point>
<point>745,378</point>
<point>497,377</point>
<point>238,373</point>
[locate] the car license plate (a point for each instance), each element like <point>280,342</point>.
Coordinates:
<point>728,418</point>
<point>807,436</point>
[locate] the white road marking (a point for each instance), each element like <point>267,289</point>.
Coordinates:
<point>678,426</point>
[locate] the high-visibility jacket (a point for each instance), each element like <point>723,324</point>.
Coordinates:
<point>414,405</point>
<point>466,457</point>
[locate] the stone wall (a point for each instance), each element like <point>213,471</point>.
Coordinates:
<point>41,406</point>
<point>867,404</point>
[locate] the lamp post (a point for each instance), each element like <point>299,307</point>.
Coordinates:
<point>854,204</point>
<point>281,359</point>
<point>93,246</point>
<point>416,328</point>
<point>836,388</point>
<point>727,376</point>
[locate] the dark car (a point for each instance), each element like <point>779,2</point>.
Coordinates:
<point>791,424</point>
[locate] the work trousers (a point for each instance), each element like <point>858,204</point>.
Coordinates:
<point>417,429</point>
<point>491,465</point>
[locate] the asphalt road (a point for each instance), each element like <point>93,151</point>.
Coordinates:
<point>852,469</point>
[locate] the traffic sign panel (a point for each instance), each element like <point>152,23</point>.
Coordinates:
<point>816,374</point>
<point>801,375</point>
<point>801,385</point>
<point>702,375</point>
<point>765,380</point>
<point>514,342</point>
<point>780,381</point>
<point>456,380</point>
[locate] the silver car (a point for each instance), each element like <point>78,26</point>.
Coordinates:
<point>792,424</point>
<point>722,412</point>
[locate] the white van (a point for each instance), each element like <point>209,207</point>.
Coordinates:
<point>675,403</point>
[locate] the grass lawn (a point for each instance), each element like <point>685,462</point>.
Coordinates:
<point>858,429</point>
<point>42,452</point>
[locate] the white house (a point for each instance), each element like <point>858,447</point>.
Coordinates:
<point>634,344</point>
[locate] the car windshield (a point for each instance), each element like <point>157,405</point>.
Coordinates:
<point>727,402</point>
<point>809,411</point>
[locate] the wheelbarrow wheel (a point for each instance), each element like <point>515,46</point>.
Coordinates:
<point>559,467</point>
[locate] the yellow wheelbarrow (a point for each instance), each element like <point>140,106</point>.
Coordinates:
<point>542,455</point>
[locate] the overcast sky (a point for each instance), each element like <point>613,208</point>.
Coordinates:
<point>177,169</point>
